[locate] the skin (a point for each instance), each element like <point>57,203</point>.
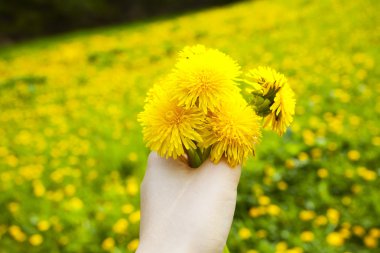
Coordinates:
<point>185,210</point>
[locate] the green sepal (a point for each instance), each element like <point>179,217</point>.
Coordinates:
<point>206,154</point>
<point>193,158</point>
<point>197,156</point>
<point>262,103</point>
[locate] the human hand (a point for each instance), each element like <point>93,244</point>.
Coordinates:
<point>186,210</point>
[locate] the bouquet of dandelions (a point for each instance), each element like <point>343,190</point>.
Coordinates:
<point>198,111</point>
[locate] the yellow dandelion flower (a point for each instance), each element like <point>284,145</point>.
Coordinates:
<point>231,131</point>
<point>265,79</point>
<point>273,98</point>
<point>133,245</point>
<point>120,226</point>
<point>273,210</point>
<point>307,215</point>
<point>335,239</point>
<point>43,225</point>
<point>307,236</point>
<point>202,77</point>
<point>333,216</point>
<point>17,233</point>
<point>108,244</point>
<point>282,111</point>
<point>321,220</point>
<point>168,128</point>
<point>244,233</point>
<point>135,217</point>
<point>36,239</point>
<point>358,230</point>
<point>370,242</point>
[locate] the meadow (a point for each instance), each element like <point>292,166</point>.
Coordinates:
<point>72,155</point>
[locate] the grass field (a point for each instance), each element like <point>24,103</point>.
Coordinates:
<point>72,156</point>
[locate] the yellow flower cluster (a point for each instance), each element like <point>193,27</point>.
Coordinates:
<point>274,99</point>
<point>198,111</point>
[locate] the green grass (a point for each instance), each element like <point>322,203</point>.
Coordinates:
<point>71,151</point>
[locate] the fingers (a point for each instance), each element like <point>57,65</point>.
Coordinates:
<point>159,167</point>
<point>156,161</point>
<point>162,172</point>
<point>223,172</point>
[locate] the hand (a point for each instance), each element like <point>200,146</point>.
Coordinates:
<point>186,210</point>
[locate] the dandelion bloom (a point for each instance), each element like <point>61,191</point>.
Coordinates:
<point>335,239</point>
<point>169,129</point>
<point>277,102</point>
<point>231,131</point>
<point>282,110</point>
<point>202,77</point>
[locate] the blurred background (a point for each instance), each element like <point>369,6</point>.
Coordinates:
<point>24,19</point>
<point>71,151</point>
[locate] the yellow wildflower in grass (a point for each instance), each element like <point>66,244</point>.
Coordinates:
<point>353,155</point>
<point>358,230</point>
<point>366,174</point>
<point>370,242</point>
<point>322,173</point>
<point>36,239</point>
<point>321,220</point>
<point>108,244</point>
<point>255,212</point>
<point>132,187</point>
<point>127,209</point>
<point>333,216</point>
<point>307,215</point>
<point>264,200</point>
<point>282,185</point>
<point>133,245</point>
<point>375,232</point>
<point>273,210</point>
<point>231,131</point>
<point>245,233</point>
<point>17,233</point>
<point>169,128</point>
<point>13,207</point>
<point>43,225</point>
<point>295,250</point>
<point>134,217</point>
<point>120,227</point>
<point>202,77</point>
<point>345,232</point>
<point>335,239</point>
<point>273,98</point>
<point>307,236</point>
<point>281,246</point>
